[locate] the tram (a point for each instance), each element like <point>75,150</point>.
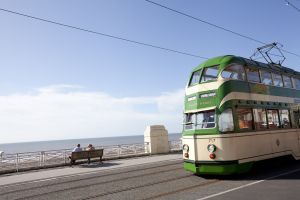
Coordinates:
<point>238,111</point>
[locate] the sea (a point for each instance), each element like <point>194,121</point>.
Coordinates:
<point>11,148</point>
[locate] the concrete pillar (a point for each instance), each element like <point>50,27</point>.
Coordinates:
<point>157,138</point>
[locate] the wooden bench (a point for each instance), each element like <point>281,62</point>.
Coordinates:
<point>97,153</point>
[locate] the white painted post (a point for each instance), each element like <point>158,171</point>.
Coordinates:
<point>157,138</point>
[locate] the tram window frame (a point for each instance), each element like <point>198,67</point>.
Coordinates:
<point>239,71</point>
<point>213,77</point>
<point>296,83</point>
<point>189,121</point>
<point>256,75</point>
<point>226,121</point>
<point>205,124</point>
<point>278,117</point>
<point>262,77</point>
<point>191,83</point>
<point>282,122</point>
<point>278,75</point>
<point>248,126</point>
<point>257,123</point>
<point>287,79</point>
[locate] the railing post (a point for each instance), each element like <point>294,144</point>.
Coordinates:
<point>65,156</point>
<point>135,150</point>
<point>119,150</point>
<point>42,160</point>
<point>17,162</point>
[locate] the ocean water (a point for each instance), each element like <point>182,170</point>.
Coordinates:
<point>69,144</point>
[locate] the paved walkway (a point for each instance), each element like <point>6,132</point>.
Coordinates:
<point>46,174</point>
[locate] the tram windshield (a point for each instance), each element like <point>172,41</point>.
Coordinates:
<point>209,74</point>
<point>200,120</point>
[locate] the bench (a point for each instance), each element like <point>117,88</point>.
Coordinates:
<point>97,153</point>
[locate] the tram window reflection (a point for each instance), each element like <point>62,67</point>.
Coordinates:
<point>234,72</point>
<point>296,83</point>
<point>273,119</point>
<point>189,121</point>
<point>252,75</point>
<point>205,119</point>
<point>209,74</point>
<point>287,81</point>
<point>245,118</point>
<point>260,118</point>
<point>226,121</point>
<point>195,78</point>
<point>277,80</point>
<point>266,77</point>
<point>284,119</point>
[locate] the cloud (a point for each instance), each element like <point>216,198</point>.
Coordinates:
<point>66,111</point>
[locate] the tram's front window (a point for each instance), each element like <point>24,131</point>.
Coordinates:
<point>209,74</point>
<point>189,121</point>
<point>200,120</point>
<point>205,119</point>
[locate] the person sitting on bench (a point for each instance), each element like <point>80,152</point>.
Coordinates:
<point>76,149</point>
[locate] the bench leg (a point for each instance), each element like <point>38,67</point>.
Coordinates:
<point>89,160</point>
<point>72,162</point>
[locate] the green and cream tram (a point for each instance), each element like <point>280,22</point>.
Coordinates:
<point>238,111</point>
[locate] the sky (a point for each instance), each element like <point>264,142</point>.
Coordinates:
<point>61,83</point>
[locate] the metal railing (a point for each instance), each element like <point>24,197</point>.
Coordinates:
<point>42,159</point>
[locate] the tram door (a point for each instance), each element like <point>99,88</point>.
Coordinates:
<point>297,118</point>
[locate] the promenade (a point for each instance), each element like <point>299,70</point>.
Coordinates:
<point>82,169</point>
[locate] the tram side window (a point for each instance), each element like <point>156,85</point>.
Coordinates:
<point>195,78</point>
<point>245,118</point>
<point>277,79</point>
<point>273,119</point>
<point>260,118</point>
<point>226,121</point>
<point>266,77</point>
<point>189,121</point>
<point>284,119</point>
<point>287,81</point>
<point>210,73</point>
<point>205,119</point>
<point>297,83</point>
<point>234,72</point>
<point>252,75</point>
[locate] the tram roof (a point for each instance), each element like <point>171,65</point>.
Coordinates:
<point>227,59</point>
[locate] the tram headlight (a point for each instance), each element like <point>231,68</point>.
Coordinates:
<point>211,148</point>
<point>185,148</point>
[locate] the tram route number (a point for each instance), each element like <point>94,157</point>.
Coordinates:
<point>211,140</point>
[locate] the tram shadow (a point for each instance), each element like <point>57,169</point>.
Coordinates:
<point>285,167</point>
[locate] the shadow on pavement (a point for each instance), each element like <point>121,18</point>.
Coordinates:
<point>266,169</point>
<point>98,165</point>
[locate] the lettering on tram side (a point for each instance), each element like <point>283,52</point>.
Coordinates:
<point>211,140</point>
<point>204,102</point>
<point>259,88</point>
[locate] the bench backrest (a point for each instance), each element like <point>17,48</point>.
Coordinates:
<point>87,154</point>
